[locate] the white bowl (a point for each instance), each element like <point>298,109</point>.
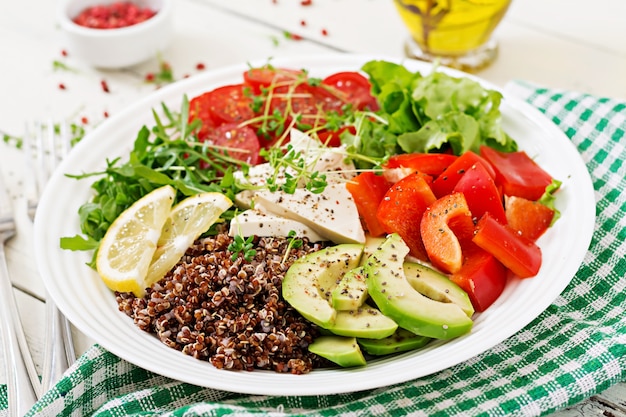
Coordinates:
<point>120,47</point>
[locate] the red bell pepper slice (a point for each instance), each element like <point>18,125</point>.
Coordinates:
<point>401,210</point>
<point>481,193</point>
<point>428,163</point>
<point>516,252</point>
<point>517,173</point>
<point>393,175</point>
<point>444,184</point>
<point>482,276</point>
<point>443,223</point>
<point>367,190</point>
<point>529,218</point>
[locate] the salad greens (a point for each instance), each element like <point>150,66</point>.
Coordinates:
<point>418,113</point>
<point>167,154</point>
<point>548,199</point>
<point>429,113</point>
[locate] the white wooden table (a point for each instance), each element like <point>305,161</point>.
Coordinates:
<point>569,44</point>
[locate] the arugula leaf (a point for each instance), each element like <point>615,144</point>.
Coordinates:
<point>169,153</point>
<point>78,243</point>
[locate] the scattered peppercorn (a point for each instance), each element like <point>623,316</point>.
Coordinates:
<point>61,86</point>
<point>200,66</point>
<point>105,86</point>
<point>306,2</point>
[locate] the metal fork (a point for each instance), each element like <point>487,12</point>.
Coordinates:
<point>23,382</point>
<point>52,143</point>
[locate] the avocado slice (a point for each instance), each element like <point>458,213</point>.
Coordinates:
<point>371,244</point>
<point>401,341</point>
<point>351,292</point>
<point>366,322</point>
<point>437,286</point>
<point>397,299</point>
<point>344,351</point>
<point>309,282</point>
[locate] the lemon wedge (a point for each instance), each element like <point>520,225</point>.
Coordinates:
<point>186,222</point>
<point>127,248</point>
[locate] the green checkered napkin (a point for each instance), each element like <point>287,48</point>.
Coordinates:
<point>583,333</point>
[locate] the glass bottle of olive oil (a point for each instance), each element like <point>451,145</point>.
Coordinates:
<point>451,28</point>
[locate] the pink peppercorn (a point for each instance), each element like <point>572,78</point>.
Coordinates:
<point>112,16</point>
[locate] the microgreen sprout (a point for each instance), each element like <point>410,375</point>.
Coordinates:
<point>293,243</point>
<point>241,246</point>
<point>16,141</point>
<point>58,65</point>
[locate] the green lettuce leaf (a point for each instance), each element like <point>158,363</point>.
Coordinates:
<point>435,112</point>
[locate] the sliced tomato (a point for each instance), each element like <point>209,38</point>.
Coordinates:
<point>297,100</point>
<point>368,190</point>
<point>292,100</point>
<point>229,104</point>
<point>517,173</point>
<point>328,99</point>
<point>481,193</point>
<point>481,276</point>
<point>529,218</point>
<point>333,137</point>
<point>428,163</point>
<point>199,108</point>
<point>355,87</point>
<point>239,142</point>
<point>401,210</point>
<point>285,103</point>
<point>519,254</point>
<point>443,223</point>
<point>261,78</point>
<point>446,181</point>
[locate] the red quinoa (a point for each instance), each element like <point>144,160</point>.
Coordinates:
<point>229,313</point>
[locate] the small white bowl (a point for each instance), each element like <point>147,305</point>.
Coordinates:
<point>120,47</point>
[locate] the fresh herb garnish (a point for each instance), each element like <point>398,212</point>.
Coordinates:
<point>58,65</point>
<point>169,153</point>
<point>165,75</point>
<point>16,141</point>
<point>293,243</point>
<point>241,246</point>
<point>291,169</point>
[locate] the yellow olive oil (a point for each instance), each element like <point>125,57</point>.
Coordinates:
<point>451,27</point>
